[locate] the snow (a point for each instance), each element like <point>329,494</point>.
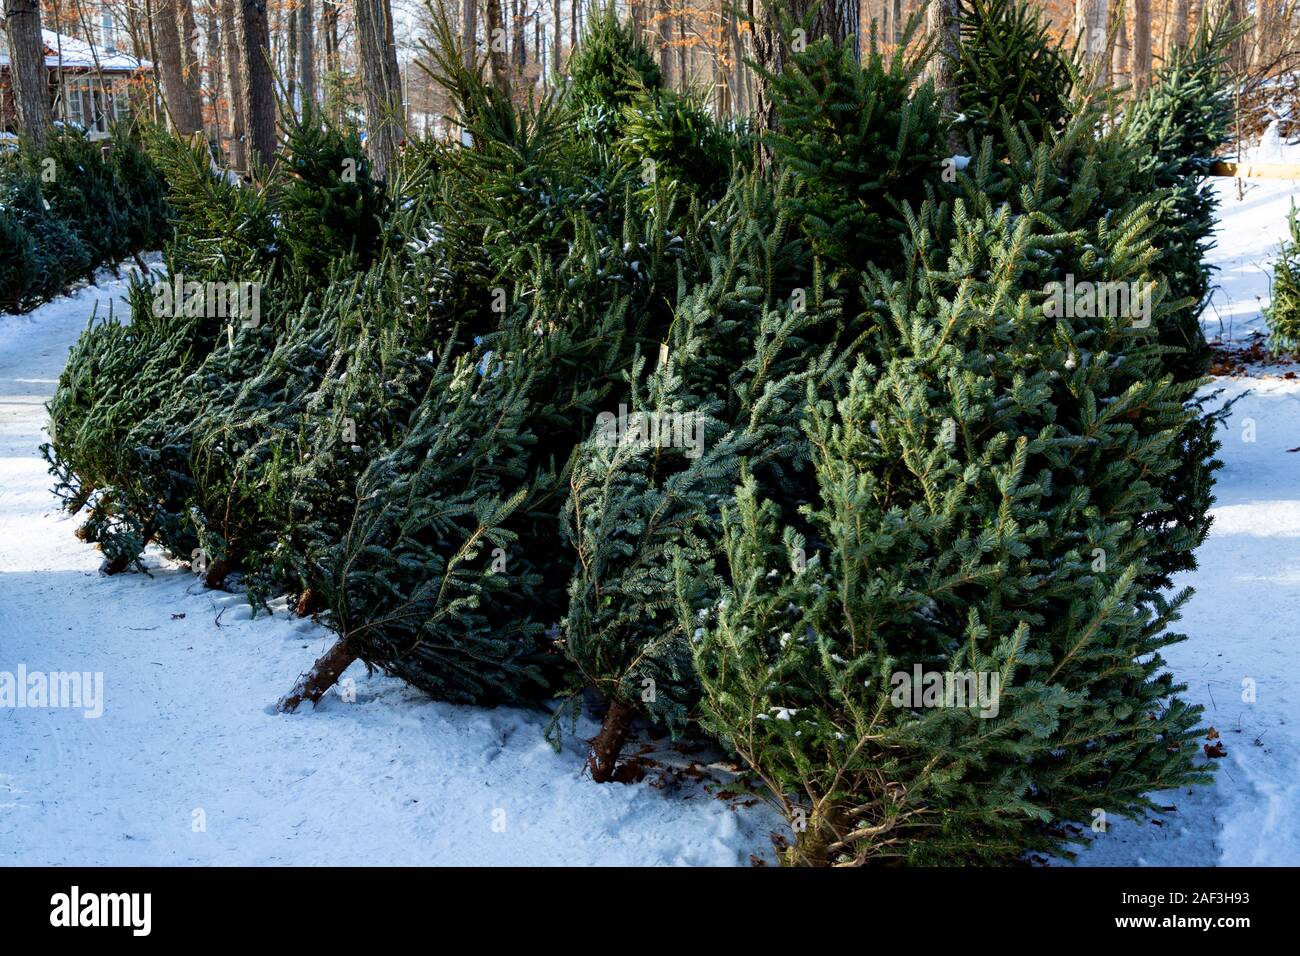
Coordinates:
<point>69,53</point>
<point>1253,223</point>
<point>186,737</point>
<point>189,765</point>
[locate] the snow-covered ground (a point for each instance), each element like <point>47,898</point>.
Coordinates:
<point>188,764</point>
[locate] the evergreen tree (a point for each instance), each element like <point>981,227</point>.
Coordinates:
<point>982,490</point>
<point>608,70</point>
<point>18,264</point>
<point>862,143</point>
<point>1181,121</point>
<point>1010,73</point>
<point>1284,312</point>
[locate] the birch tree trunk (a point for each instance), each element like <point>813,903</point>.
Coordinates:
<point>27,68</point>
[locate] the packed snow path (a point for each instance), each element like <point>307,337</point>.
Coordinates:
<point>187,764</point>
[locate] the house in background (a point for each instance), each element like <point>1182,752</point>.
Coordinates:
<point>89,86</point>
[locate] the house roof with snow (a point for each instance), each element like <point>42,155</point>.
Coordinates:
<point>73,54</point>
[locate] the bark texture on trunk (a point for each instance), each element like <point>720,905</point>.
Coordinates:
<point>1091,21</point>
<point>1141,45</point>
<point>378,54</point>
<point>323,675</point>
<point>258,92</point>
<point>27,68</point>
<point>498,55</point>
<point>234,86</point>
<point>469,31</point>
<point>1182,13</point>
<point>943,28</point>
<point>775,37</point>
<point>330,23</point>
<point>608,744</point>
<point>171,69</point>
<point>191,69</point>
<point>307,54</point>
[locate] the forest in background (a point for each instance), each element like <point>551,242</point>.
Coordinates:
<point>368,60</point>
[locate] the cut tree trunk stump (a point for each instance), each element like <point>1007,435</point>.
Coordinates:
<point>78,501</point>
<point>1222,167</point>
<point>323,675</point>
<point>309,602</point>
<point>216,573</point>
<point>120,563</point>
<point>608,744</point>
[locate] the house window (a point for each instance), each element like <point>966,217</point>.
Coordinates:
<point>75,110</point>
<point>121,105</point>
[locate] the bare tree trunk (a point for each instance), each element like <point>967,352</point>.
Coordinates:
<point>1091,20</point>
<point>518,52</point>
<point>171,69</point>
<point>27,68</point>
<point>606,745</point>
<point>1119,60</point>
<point>943,27</point>
<point>497,52</point>
<point>379,76</point>
<point>212,68</point>
<point>1182,13</point>
<point>559,41</point>
<point>290,69</point>
<point>192,69</point>
<point>323,675</point>
<point>234,89</point>
<point>1141,45</point>
<point>469,31</point>
<point>258,93</point>
<point>837,19</point>
<point>306,54</point>
<point>740,94</point>
<point>330,19</point>
<point>665,43</point>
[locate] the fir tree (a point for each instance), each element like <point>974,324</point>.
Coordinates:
<point>981,496</point>
<point>1284,312</point>
<point>862,143</point>
<point>1010,73</point>
<point>1181,121</point>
